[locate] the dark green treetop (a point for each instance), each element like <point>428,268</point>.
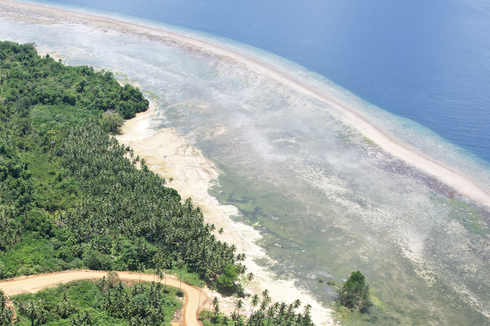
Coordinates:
<point>354,294</point>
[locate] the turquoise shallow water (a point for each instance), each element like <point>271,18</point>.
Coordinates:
<point>423,60</point>
<point>327,200</point>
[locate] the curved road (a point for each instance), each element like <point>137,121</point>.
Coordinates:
<point>193,296</point>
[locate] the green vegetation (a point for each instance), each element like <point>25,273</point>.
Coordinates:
<point>69,196</point>
<point>62,93</point>
<point>6,312</point>
<point>226,281</point>
<point>267,314</point>
<point>354,293</point>
<point>105,302</point>
<point>72,197</point>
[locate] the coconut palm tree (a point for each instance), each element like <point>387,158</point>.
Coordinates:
<point>6,313</point>
<point>42,317</point>
<point>239,305</point>
<point>201,284</point>
<point>297,304</point>
<point>180,265</point>
<point>224,322</point>
<point>31,311</point>
<point>250,277</point>
<point>255,302</point>
<point>216,307</point>
<point>142,269</point>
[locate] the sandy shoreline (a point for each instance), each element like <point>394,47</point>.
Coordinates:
<point>169,155</point>
<point>460,183</point>
<point>183,166</point>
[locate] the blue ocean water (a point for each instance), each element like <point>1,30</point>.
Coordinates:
<point>428,61</point>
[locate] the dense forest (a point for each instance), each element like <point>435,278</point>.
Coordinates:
<point>105,302</point>
<point>69,189</point>
<point>72,197</point>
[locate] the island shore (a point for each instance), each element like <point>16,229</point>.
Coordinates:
<point>169,155</point>
<point>191,174</point>
<point>338,108</point>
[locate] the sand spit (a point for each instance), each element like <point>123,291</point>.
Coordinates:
<point>341,110</point>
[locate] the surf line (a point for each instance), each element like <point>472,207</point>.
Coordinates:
<point>460,183</point>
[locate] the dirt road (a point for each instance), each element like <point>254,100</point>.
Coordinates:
<point>193,296</point>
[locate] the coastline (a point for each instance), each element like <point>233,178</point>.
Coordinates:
<point>169,155</point>
<point>460,183</point>
<point>192,174</point>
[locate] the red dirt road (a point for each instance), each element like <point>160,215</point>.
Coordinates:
<point>193,296</point>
